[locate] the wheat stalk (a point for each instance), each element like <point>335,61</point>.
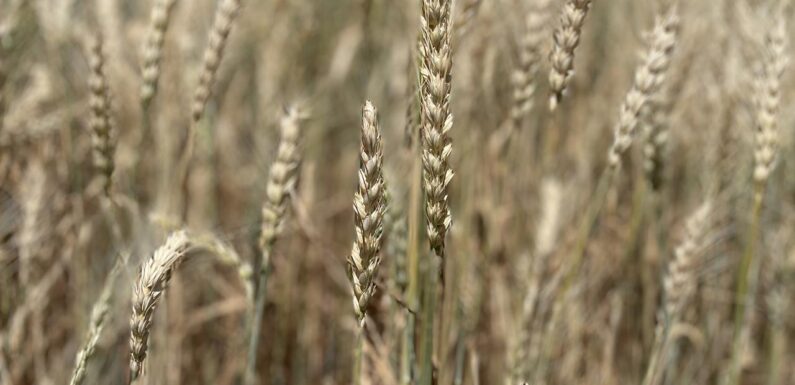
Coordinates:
<point>222,25</point>
<point>648,79</point>
<point>101,124</point>
<point>228,256</point>
<point>3,77</point>
<point>567,38</point>
<point>151,284</point>
<point>281,182</point>
<point>765,149</point>
<point>369,206</point>
<point>153,48</point>
<point>32,230</point>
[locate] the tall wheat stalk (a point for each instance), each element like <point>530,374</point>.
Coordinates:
<point>437,121</point>
<point>768,98</point>
<point>281,183</point>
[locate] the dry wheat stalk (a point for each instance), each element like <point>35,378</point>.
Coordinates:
<point>222,25</point>
<point>524,76</point>
<point>32,230</point>
<point>369,206</point>
<point>3,76</point>
<point>153,48</point>
<point>648,79</point>
<point>151,284</point>
<point>767,101</point>
<point>281,182</point>
<point>437,118</point>
<point>97,322</point>
<point>101,124</point>
<point>567,38</point>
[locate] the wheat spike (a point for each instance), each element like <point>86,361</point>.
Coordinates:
<point>99,315</point>
<point>222,25</point>
<point>151,284</point>
<point>524,76</point>
<point>437,119</point>
<point>767,101</point>
<point>648,78</point>
<point>101,124</point>
<point>680,280</point>
<point>153,48</point>
<point>566,38</point>
<point>369,206</point>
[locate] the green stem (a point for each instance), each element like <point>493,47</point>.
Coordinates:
<point>256,322</point>
<point>745,286</point>
<point>357,357</point>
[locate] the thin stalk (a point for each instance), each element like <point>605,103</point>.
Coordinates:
<point>586,227</point>
<point>778,350</point>
<point>412,292</point>
<point>256,322</point>
<point>427,322</point>
<point>357,357</point>
<point>658,357</point>
<point>745,288</point>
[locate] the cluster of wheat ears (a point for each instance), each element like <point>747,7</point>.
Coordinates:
<point>181,213</point>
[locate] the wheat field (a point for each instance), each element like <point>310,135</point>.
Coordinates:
<point>397,192</point>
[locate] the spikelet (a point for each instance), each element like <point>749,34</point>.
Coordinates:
<point>567,38</point>
<point>768,99</point>
<point>648,79</point>
<point>437,118</point>
<point>147,290</point>
<point>101,124</point>
<point>222,25</point>
<point>369,206</point>
<point>153,48</point>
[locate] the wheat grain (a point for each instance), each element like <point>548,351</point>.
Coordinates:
<point>153,48</point>
<point>680,280</point>
<point>566,38</point>
<point>101,123</point>
<point>151,284</point>
<point>648,78</point>
<point>222,25</point>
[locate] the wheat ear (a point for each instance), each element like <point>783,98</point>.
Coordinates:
<point>222,25</point>
<point>566,39</point>
<point>281,182</point>
<point>437,119</point>
<point>369,206</point>
<point>679,285</point>
<point>648,79</point>
<point>153,48</point>
<point>524,76</point>
<point>101,124</point>
<point>99,315</point>
<point>147,290</point>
